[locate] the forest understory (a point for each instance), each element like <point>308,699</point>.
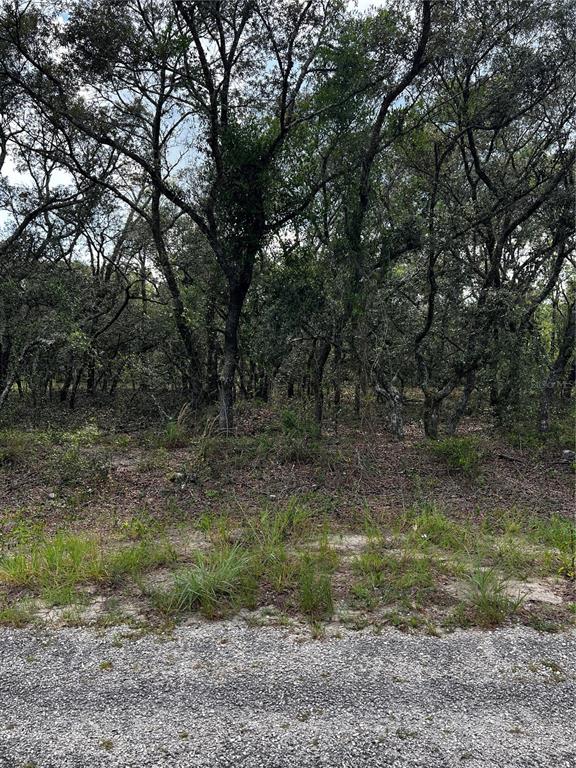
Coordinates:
<point>112,517</point>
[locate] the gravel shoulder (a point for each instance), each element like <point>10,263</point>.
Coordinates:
<point>226,694</point>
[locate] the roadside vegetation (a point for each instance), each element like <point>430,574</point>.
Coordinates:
<point>85,550</point>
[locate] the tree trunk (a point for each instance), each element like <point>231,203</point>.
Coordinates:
<point>562,359</point>
<point>211,384</point>
<point>337,365</point>
<point>66,385</point>
<point>74,391</point>
<point>91,374</point>
<point>230,357</point>
<point>569,382</point>
<point>462,403</point>
<point>392,392</point>
<point>357,398</point>
<point>317,379</point>
<point>432,407</point>
<point>5,349</point>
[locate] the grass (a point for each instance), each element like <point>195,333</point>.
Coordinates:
<point>53,567</point>
<point>14,615</point>
<point>217,579</point>
<point>525,436</point>
<point>293,440</point>
<point>294,424</point>
<point>141,527</point>
<point>279,555</point>
<point>274,528</point>
<point>14,446</point>
<point>487,601</point>
<point>432,526</point>
<point>390,579</point>
<point>537,545</point>
<point>231,575</point>
<point>173,435</point>
<point>315,598</point>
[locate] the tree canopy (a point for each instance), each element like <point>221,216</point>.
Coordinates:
<point>228,198</point>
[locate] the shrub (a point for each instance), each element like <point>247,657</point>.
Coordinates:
<point>460,453</point>
<point>77,468</point>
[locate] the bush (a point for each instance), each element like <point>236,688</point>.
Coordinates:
<point>174,435</point>
<point>460,453</point>
<point>75,467</point>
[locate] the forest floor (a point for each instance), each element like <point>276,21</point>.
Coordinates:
<point>107,520</point>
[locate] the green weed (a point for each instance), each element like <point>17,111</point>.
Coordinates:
<point>314,589</point>
<point>487,600</point>
<point>217,579</point>
<point>54,565</point>
<point>459,453</point>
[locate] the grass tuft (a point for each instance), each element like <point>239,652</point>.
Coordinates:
<point>487,600</point>
<point>314,589</point>
<point>174,435</point>
<point>217,579</point>
<point>432,526</point>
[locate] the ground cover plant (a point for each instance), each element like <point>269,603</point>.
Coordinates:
<point>326,546</point>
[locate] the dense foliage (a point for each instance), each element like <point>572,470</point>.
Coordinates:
<point>238,197</point>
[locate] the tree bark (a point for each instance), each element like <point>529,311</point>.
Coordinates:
<point>317,379</point>
<point>462,403</point>
<point>236,297</point>
<point>562,359</point>
<point>432,406</point>
<point>392,392</point>
<point>74,390</point>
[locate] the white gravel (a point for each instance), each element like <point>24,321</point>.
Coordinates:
<point>226,694</point>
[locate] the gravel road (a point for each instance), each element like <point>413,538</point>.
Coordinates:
<point>226,694</point>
